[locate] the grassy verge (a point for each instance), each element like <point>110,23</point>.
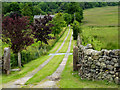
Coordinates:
<point>58,44</point>
<point>66,44</point>
<point>73,81</point>
<point>73,43</point>
<point>27,68</point>
<point>52,42</point>
<point>47,70</point>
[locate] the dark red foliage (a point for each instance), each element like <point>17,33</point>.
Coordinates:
<point>17,29</point>
<point>41,29</point>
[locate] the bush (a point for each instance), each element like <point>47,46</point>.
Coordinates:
<point>93,41</point>
<point>78,16</point>
<point>76,29</point>
<point>59,23</point>
<point>67,17</point>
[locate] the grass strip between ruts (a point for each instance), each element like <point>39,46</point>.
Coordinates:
<point>66,44</point>
<point>60,41</point>
<point>46,70</point>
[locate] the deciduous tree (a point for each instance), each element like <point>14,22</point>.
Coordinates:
<point>67,17</point>
<point>58,22</point>
<point>42,28</point>
<point>16,31</point>
<point>73,8</point>
<point>27,10</point>
<point>76,29</point>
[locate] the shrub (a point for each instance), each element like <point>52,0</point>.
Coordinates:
<point>58,22</point>
<point>76,29</point>
<point>67,17</point>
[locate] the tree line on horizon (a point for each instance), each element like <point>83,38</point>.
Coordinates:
<point>37,8</point>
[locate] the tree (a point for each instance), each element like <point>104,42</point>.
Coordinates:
<point>5,7</point>
<point>67,17</point>
<point>37,11</point>
<point>16,31</point>
<point>76,29</point>
<point>8,7</point>
<point>14,6</point>
<point>73,8</point>
<point>27,10</point>
<point>78,16</point>
<point>41,29</point>
<point>58,22</point>
<point>43,6</point>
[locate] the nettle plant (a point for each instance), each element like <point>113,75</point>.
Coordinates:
<point>42,29</point>
<point>16,32</point>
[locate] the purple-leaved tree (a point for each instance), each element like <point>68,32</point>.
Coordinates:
<point>17,32</point>
<point>42,28</point>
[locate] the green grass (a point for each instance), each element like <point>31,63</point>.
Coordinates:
<point>58,44</point>
<point>99,27</point>
<point>31,65</point>
<point>54,63</point>
<point>66,44</point>
<point>26,69</point>
<point>52,42</point>
<point>47,70</point>
<point>73,43</point>
<point>101,16</point>
<point>73,81</point>
<point>101,37</point>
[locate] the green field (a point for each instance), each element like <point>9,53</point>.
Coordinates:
<point>100,27</point>
<point>103,16</point>
<point>100,37</point>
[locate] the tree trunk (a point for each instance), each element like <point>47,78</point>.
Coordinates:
<point>41,44</point>
<point>19,60</point>
<point>37,51</point>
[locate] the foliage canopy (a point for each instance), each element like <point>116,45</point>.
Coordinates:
<point>16,31</point>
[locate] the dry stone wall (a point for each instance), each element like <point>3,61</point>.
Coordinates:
<point>98,65</point>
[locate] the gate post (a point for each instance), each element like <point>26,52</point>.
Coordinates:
<point>6,65</point>
<point>75,58</point>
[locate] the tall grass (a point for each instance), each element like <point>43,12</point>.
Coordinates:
<point>100,37</point>
<point>100,27</point>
